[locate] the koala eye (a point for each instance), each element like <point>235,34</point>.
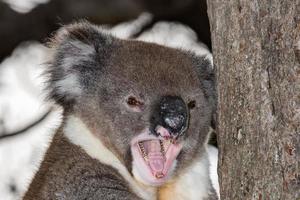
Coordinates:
<point>192,104</point>
<point>133,102</point>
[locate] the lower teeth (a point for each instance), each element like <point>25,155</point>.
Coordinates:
<point>159,175</point>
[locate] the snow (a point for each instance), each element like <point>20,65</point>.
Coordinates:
<point>22,100</point>
<point>127,29</point>
<point>24,6</point>
<point>20,157</point>
<point>21,90</point>
<point>177,36</point>
<point>21,103</point>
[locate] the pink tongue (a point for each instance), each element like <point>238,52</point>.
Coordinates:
<point>156,158</point>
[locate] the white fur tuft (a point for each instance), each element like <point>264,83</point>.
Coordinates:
<point>81,52</point>
<point>68,85</point>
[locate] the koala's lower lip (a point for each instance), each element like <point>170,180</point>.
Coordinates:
<point>154,157</point>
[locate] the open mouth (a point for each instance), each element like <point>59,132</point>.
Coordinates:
<point>154,157</point>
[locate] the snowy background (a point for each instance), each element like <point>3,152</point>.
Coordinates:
<point>22,98</point>
<point>21,103</point>
<point>24,6</point>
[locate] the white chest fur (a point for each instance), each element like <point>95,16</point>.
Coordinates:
<point>194,184</point>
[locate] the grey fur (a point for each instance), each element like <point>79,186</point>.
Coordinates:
<point>91,75</point>
<point>68,173</point>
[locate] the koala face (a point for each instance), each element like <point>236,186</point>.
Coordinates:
<point>150,105</point>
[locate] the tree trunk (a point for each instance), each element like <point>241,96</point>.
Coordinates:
<point>257,67</point>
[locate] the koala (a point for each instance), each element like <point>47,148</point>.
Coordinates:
<point>136,120</point>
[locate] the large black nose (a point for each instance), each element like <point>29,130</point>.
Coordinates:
<point>172,114</point>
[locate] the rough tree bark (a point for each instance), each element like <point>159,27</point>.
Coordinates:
<point>257,66</point>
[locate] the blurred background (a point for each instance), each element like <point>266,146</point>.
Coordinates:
<point>22,20</point>
<point>26,121</point>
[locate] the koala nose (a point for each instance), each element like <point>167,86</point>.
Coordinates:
<point>173,114</point>
<point>174,121</point>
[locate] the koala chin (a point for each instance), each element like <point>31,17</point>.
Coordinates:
<point>136,120</point>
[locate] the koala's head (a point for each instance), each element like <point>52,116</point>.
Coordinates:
<point>150,105</point>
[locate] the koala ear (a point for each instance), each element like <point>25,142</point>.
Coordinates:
<point>207,78</point>
<point>79,50</point>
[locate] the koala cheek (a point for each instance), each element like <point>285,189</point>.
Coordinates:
<point>143,118</point>
<point>139,127</point>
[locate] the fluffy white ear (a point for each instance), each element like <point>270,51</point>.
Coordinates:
<point>79,50</point>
